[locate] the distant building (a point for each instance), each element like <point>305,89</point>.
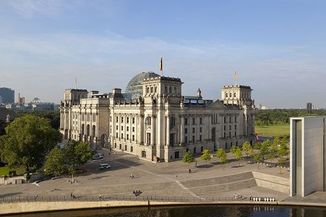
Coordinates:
<point>307,155</point>
<point>7,95</point>
<point>153,120</point>
<point>20,100</point>
<point>309,107</point>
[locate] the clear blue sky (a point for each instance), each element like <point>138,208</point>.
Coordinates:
<point>276,46</point>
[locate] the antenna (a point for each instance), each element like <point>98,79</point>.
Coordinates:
<point>235,78</point>
<point>161,66</point>
<point>75,83</point>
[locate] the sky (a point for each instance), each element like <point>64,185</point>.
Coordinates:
<point>276,46</point>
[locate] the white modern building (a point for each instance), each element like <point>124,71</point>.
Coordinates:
<point>153,120</point>
<point>307,155</point>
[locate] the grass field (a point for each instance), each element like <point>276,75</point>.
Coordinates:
<point>273,130</point>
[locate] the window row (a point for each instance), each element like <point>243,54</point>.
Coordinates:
<point>194,130</point>
<point>127,136</point>
<point>193,121</point>
<point>193,139</point>
<point>127,119</point>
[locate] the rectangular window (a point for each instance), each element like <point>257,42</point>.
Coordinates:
<point>117,119</point>
<point>186,130</point>
<point>200,129</point>
<point>133,120</point>
<point>235,127</point>
<point>193,130</point>
<point>193,121</point>
<point>133,129</point>
<point>186,121</point>
<point>121,127</point>
<point>193,139</point>
<point>200,121</point>
<point>200,137</point>
<point>121,135</point>
<point>127,136</point>
<point>133,137</point>
<point>127,120</point>
<point>117,127</point>
<point>127,128</point>
<point>121,119</point>
<point>116,135</point>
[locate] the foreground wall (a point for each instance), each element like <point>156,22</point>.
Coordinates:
<point>307,155</point>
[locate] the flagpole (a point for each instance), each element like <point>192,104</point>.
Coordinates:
<point>161,66</point>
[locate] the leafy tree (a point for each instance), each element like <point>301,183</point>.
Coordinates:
<point>264,149</point>
<point>220,153</point>
<point>273,148</point>
<point>283,151</point>
<point>206,155</point>
<point>188,158</point>
<point>76,154</point>
<point>247,149</point>
<point>55,162</point>
<point>237,152</point>
<point>27,141</point>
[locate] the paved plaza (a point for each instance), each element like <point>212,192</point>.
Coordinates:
<point>154,179</point>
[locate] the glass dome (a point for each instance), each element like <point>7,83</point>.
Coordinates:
<point>135,85</point>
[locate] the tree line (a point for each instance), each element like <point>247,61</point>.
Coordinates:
<point>282,116</point>
<point>31,142</point>
<point>278,149</point>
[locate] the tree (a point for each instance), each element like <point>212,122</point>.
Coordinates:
<point>220,153</point>
<point>247,149</point>
<point>237,152</point>
<point>76,154</point>
<point>282,153</point>
<point>55,162</point>
<point>206,155</point>
<point>264,149</point>
<point>27,141</point>
<point>188,158</point>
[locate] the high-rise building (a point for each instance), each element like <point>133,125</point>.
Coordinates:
<point>7,95</point>
<point>309,107</point>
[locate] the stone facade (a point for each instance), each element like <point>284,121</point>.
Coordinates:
<point>157,122</point>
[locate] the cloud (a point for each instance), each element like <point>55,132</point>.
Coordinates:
<point>29,8</point>
<point>35,62</point>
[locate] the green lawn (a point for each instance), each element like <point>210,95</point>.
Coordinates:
<point>273,130</point>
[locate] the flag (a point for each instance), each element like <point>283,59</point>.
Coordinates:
<point>161,65</point>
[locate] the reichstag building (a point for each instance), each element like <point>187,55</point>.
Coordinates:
<point>153,120</point>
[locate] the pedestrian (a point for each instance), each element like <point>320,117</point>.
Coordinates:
<point>189,170</point>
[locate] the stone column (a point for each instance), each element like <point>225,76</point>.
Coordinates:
<point>168,131</point>
<point>153,119</point>
<point>182,130</point>
<point>141,131</point>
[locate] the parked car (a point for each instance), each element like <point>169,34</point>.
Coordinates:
<point>103,166</point>
<point>98,156</point>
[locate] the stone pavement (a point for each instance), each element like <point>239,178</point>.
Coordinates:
<point>154,179</point>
